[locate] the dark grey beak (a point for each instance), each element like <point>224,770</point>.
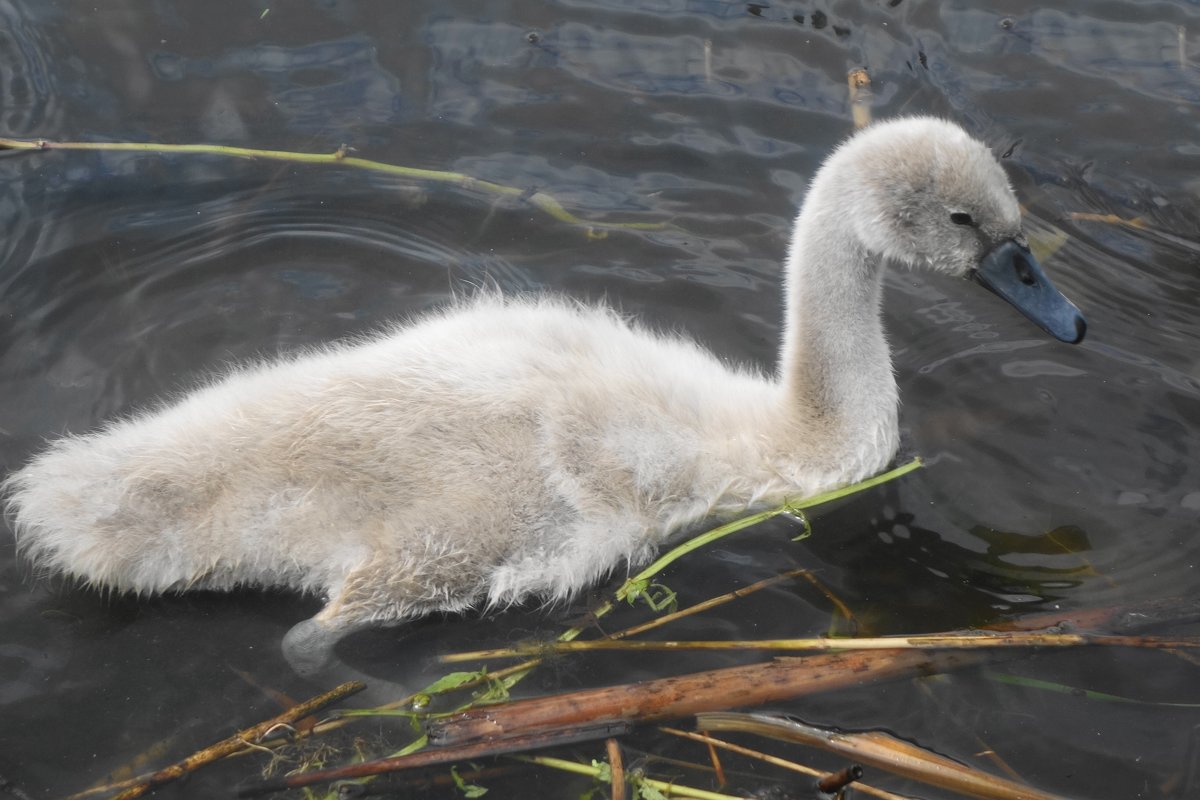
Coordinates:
<point>1012,272</point>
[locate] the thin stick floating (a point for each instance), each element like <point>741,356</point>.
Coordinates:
<point>942,641</point>
<point>340,157</point>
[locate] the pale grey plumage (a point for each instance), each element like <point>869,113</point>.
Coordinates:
<point>504,448</point>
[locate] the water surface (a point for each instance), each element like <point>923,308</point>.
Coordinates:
<point>1059,478</point>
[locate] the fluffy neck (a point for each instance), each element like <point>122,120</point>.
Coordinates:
<point>835,366</point>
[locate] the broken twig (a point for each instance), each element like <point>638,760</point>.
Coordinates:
<point>685,695</point>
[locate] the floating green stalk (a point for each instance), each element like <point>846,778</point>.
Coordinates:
<point>340,157</point>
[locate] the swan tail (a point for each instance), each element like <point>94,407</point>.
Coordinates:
<point>81,509</point>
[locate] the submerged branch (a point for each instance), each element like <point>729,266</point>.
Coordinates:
<point>441,755</point>
<point>616,768</point>
<point>241,740</point>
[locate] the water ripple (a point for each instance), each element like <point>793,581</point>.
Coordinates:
<point>29,81</point>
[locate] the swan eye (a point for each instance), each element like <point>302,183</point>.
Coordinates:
<point>961,218</point>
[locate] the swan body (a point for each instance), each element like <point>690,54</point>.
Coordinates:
<point>504,448</point>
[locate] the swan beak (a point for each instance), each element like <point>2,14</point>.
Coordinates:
<point>1012,272</point>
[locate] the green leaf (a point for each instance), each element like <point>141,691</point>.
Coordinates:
<point>657,596</point>
<point>660,598</point>
<point>448,683</point>
<point>411,747</point>
<point>1035,683</point>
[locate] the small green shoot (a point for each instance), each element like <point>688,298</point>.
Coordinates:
<point>468,789</point>
<point>644,789</point>
<point>497,688</point>
<point>603,771</point>
<point>798,515</point>
<point>659,597</point>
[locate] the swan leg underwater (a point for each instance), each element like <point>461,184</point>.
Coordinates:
<point>508,448</point>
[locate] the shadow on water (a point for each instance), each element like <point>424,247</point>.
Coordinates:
<point>1058,478</point>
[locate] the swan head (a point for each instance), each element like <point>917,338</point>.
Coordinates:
<point>924,193</point>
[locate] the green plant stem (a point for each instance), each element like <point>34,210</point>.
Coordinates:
<point>540,200</point>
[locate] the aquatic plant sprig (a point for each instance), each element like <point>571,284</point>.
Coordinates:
<point>341,157</point>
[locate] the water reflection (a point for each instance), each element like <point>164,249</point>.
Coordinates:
<point>31,70</point>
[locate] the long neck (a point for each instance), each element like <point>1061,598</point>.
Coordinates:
<point>835,366</point>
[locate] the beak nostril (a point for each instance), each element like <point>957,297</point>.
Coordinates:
<point>1024,271</point>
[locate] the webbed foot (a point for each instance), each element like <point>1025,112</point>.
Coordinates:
<point>308,647</point>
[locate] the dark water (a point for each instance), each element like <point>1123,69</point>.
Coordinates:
<point>1060,478</point>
